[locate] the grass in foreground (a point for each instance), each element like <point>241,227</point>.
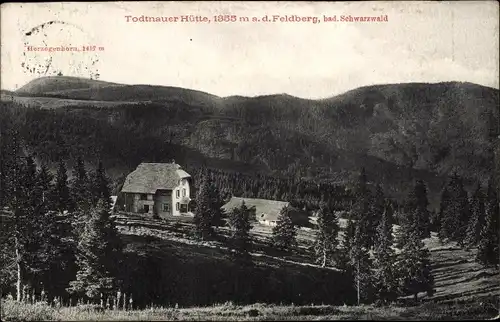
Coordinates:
<point>13,311</point>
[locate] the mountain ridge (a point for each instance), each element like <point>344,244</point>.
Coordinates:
<point>397,131</point>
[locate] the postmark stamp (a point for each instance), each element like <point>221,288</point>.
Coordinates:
<point>59,48</point>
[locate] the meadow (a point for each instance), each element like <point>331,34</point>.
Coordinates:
<point>463,289</point>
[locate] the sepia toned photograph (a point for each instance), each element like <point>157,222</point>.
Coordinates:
<point>249,161</point>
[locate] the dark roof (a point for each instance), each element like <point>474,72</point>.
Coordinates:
<point>148,177</point>
<point>264,209</point>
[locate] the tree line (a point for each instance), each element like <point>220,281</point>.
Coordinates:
<point>300,193</point>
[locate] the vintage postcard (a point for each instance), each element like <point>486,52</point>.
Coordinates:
<point>278,160</point>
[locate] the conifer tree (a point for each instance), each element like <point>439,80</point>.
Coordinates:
<point>416,215</point>
<point>204,212</point>
<point>362,211</point>
<point>414,269</point>
<point>239,223</point>
<point>55,252</point>
<point>284,233</point>
<point>98,255</point>
<point>101,187</point>
<point>346,246</point>
<point>361,266</point>
<point>61,198</point>
<point>477,219</point>
<point>488,252</point>
<point>326,237</point>
<point>216,202</point>
<point>386,286</point>
<point>443,205</point>
<point>44,186</point>
<point>456,214</point>
<point>80,186</point>
<point>23,234</point>
<point>377,205</point>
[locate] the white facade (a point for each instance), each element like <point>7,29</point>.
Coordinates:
<point>180,198</point>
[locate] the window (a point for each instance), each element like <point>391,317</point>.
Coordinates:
<point>184,192</point>
<point>166,207</point>
<point>146,208</point>
<point>176,206</point>
<point>178,193</point>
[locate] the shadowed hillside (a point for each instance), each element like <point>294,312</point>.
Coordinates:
<point>397,131</point>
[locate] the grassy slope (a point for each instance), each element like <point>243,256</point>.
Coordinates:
<point>458,278</point>
<point>464,290</point>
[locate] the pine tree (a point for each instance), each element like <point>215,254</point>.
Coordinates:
<point>80,186</point>
<point>61,198</point>
<point>284,233</point>
<point>386,286</point>
<point>23,234</point>
<point>361,265</point>
<point>55,251</point>
<point>414,269</point>
<point>456,214</point>
<point>326,237</point>
<point>98,255</point>
<point>204,212</point>
<point>417,216</point>
<point>443,206</point>
<point>362,211</point>
<point>216,203</point>
<point>346,246</point>
<point>44,186</point>
<point>101,187</point>
<point>477,219</point>
<point>488,253</point>
<point>239,223</point>
<point>377,205</point>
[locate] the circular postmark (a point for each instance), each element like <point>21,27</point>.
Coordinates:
<point>58,48</point>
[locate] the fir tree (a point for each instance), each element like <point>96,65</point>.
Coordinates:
<point>44,186</point>
<point>61,198</point>
<point>477,219</point>
<point>362,211</point>
<point>346,246</point>
<point>416,215</point>
<point>377,205</point>
<point>239,223</point>
<point>284,233</point>
<point>204,212</point>
<point>101,187</point>
<point>443,206</point>
<point>216,205</point>
<point>98,255</point>
<point>456,214</point>
<point>414,269</point>
<point>80,186</point>
<point>386,286</point>
<point>361,265</point>
<point>326,237</point>
<point>24,235</point>
<point>488,253</point>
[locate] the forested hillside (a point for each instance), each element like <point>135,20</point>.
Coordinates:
<point>397,132</point>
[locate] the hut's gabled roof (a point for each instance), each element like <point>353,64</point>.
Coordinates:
<point>149,177</point>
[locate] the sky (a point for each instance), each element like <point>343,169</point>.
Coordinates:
<point>420,42</point>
